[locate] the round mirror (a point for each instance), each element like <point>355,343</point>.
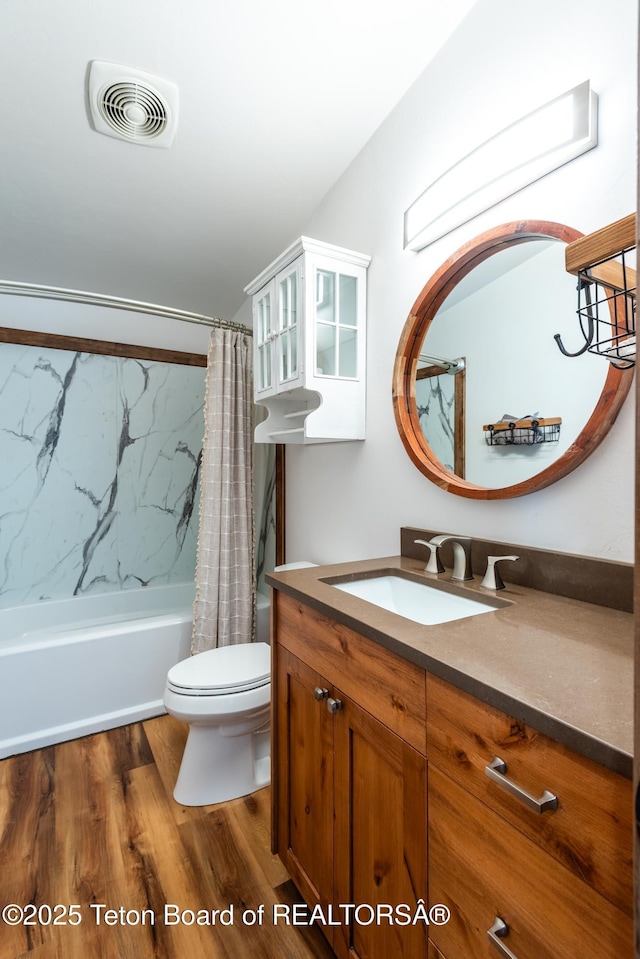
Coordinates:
<point>486,405</point>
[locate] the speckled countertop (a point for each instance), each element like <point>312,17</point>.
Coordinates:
<point>563,666</point>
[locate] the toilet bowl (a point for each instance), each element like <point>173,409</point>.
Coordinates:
<point>224,695</point>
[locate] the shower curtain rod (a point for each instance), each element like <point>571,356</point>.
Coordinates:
<point>447,366</point>
<point>117,303</point>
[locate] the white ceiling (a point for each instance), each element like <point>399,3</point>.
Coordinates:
<point>276,99</point>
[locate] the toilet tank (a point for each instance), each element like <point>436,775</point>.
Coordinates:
<point>263,604</point>
<point>262,618</point>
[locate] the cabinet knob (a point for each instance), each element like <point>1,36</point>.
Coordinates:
<point>499,931</point>
<point>333,705</point>
<point>320,693</point>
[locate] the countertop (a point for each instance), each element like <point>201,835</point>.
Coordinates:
<point>563,666</point>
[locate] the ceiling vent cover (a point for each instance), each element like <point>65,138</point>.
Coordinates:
<point>131,105</point>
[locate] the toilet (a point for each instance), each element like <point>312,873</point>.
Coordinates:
<point>224,695</point>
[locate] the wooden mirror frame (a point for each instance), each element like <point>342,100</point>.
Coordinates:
<point>423,312</point>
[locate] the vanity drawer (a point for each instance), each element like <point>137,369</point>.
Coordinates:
<point>590,831</point>
<point>385,685</point>
<point>482,869</point>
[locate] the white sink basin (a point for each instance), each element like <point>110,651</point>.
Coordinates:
<point>417,601</point>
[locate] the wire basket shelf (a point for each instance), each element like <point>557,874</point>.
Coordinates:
<point>605,265</point>
<point>608,313</point>
<point>527,432</point>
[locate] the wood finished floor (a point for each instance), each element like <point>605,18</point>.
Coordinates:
<point>94,821</point>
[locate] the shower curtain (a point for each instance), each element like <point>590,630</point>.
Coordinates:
<point>224,608</point>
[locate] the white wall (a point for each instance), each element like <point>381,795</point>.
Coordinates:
<point>347,501</point>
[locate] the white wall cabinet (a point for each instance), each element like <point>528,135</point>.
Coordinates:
<point>309,318</point>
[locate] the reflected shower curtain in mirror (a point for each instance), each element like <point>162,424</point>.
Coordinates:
<point>224,608</point>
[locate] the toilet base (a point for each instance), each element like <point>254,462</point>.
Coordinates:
<point>218,766</point>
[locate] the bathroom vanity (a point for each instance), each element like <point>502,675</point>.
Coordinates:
<point>481,764</point>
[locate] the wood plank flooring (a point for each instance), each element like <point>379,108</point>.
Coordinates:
<point>93,823</point>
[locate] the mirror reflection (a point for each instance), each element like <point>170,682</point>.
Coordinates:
<point>500,321</point>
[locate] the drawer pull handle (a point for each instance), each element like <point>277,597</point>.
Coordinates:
<point>333,705</point>
<point>320,693</point>
<point>499,931</point>
<point>496,771</point>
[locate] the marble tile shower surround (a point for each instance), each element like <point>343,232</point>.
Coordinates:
<point>264,470</point>
<point>99,466</point>
<point>435,403</point>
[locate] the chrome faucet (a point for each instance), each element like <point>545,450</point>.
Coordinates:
<point>461,555</point>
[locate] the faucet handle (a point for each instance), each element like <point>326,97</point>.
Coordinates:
<point>492,578</point>
<point>435,563</point>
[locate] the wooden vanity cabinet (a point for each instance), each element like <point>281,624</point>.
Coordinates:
<point>352,727</point>
<point>559,879</point>
<point>350,790</point>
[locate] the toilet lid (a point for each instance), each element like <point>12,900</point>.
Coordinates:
<point>223,670</point>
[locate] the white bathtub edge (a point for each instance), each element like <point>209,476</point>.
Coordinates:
<point>85,727</point>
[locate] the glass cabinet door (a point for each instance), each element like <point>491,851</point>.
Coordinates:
<point>264,335</point>
<point>289,300</point>
<point>336,324</point>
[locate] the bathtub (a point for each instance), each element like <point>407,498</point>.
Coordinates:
<point>75,666</point>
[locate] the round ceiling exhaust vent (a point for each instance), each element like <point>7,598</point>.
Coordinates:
<point>131,105</point>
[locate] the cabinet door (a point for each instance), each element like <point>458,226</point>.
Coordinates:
<point>380,833</point>
<point>289,327</point>
<point>264,334</point>
<point>305,780</point>
<point>335,293</point>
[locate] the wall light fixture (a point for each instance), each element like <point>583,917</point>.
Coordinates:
<point>538,143</point>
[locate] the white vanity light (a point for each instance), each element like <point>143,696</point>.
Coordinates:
<point>538,143</point>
